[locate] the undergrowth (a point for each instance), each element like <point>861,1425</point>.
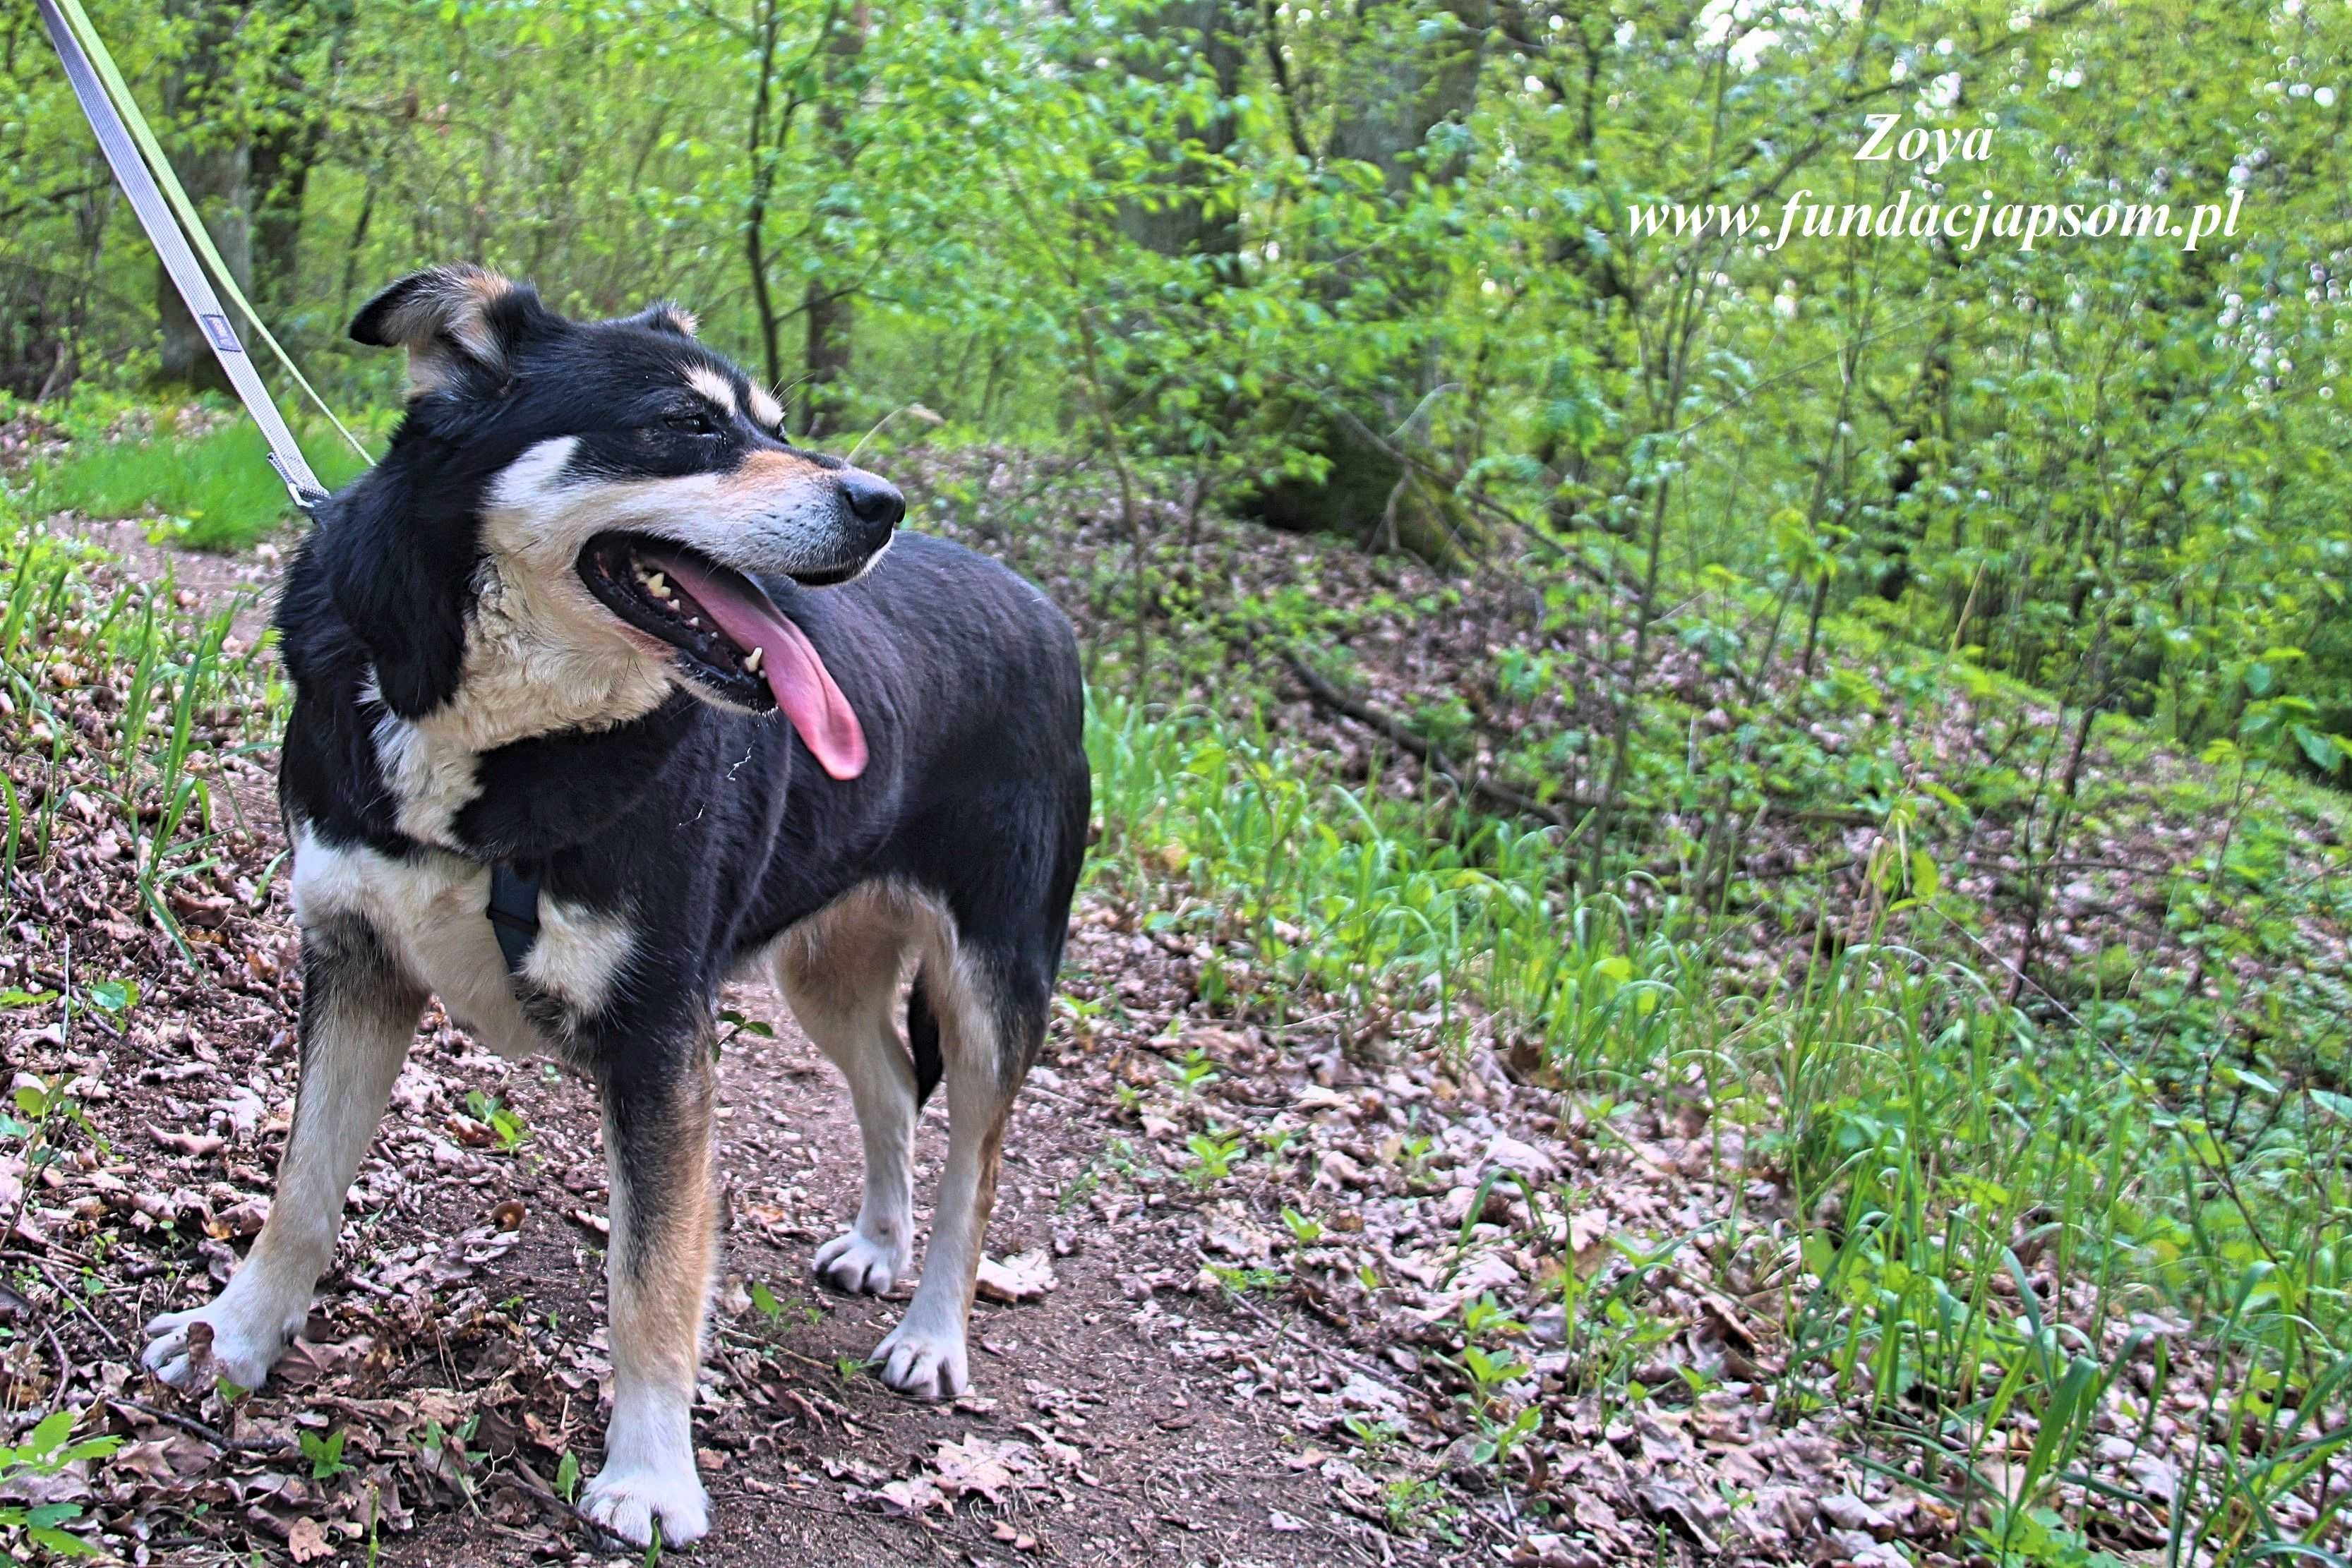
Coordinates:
<point>75,654</point>
<point>1978,1199</point>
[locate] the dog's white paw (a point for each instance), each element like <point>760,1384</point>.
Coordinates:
<point>856,1264</point>
<point>241,1346</point>
<point>627,1500</point>
<point>926,1364</point>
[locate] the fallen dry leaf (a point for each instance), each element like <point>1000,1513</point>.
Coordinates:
<point>1023,1276</point>
<point>306,1541</point>
<point>976,1466</point>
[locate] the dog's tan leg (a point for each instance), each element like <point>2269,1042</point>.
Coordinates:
<point>358,1016</point>
<point>657,1121</point>
<point>925,1356</point>
<point>842,978</point>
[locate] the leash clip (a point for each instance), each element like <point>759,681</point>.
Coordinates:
<point>307,497</point>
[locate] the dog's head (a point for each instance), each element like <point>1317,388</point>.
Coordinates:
<point>618,488</point>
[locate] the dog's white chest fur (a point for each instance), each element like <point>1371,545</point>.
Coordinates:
<point>430,913</point>
<point>529,670</point>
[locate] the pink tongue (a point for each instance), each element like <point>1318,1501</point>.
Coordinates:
<point>803,686</point>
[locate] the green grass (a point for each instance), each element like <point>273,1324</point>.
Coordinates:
<point>214,492</point>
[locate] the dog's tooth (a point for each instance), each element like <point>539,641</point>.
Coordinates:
<point>751,659</point>
<point>657,586</point>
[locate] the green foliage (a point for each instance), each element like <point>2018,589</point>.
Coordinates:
<point>2113,464</point>
<point>214,491</point>
<point>324,1454</point>
<point>46,1449</point>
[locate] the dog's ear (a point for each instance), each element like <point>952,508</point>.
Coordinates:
<point>664,315</point>
<point>456,322</point>
<point>396,573</point>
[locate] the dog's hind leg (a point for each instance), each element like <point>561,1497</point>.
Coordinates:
<point>840,973</point>
<point>990,1025</point>
<point>658,1102</point>
<point>358,1015</point>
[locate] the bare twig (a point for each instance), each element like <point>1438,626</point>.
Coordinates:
<point>1510,800</point>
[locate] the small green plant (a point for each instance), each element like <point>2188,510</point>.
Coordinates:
<point>1414,1151</point>
<point>1411,1504</point>
<point>1194,1072</point>
<point>505,1123</point>
<point>1078,1189</point>
<point>47,1448</point>
<point>1485,1318</point>
<point>1243,1280</point>
<point>567,1476</point>
<point>1214,1157</point>
<point>1304,1229</point>
<point>776,1309</point>
<point>325,1455</point>
<point>739,1025</point>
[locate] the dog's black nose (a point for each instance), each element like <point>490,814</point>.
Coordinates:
<point>872,498</point>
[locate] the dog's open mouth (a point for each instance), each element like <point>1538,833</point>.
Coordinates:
<point>729,636</point>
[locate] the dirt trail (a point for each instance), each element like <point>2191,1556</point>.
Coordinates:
<point>1163,1464</point>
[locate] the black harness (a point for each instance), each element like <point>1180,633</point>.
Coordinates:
<point>514,910</point>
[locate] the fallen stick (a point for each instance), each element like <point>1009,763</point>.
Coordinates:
<point>1513,801</point>
<point>1504,796</point>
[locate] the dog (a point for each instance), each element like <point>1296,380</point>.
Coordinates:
<point>594,626</point>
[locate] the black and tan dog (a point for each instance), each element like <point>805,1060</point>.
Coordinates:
<point>552,633</point>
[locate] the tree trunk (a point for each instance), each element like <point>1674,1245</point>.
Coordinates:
<point>217,172</point>
<point>829,306</point>
<point>831,319</point>
<point>1406,78</point>
<point>291,144</point>
<point>1409,80</point>
<point>1181,34</point>
<point>282,158</point>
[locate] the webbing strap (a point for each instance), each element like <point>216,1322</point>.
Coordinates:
<point>187,274</point>
<point>514,911</point>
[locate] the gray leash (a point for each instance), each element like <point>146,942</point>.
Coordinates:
<point>180,261</point>
<point>514,890</point>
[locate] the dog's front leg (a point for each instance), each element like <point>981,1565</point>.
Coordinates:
<point>358,1015</point>
<point>657,1112</point>
<point>925,1354</point>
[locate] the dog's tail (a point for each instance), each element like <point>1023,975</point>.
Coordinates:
<point>923,1039</point>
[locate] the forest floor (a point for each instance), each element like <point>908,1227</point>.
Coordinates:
<point>1269,1284</point>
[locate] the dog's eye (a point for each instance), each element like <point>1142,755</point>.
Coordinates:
<point>690,424</point>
